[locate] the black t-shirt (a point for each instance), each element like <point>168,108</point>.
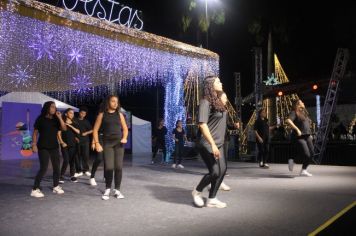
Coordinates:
<point>303,125</point>
<point>179,135</point>
<point>262,128</point>
<point>216,122</point>
<point>84,126</point>
<point>111,125</point>
<point>69,135</point>
<point>47,129</point>
<point>160,134</point>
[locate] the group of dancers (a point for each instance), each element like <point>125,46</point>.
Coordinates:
<point>110,134</point>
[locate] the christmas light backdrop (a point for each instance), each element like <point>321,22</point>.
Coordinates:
<point>74,57</point>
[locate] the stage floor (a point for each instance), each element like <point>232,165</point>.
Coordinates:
<point>158,201</point>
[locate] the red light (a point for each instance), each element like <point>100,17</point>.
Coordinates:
<point>280,93</point>
<point>315,87</point>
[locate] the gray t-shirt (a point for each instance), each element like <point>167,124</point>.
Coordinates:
<point>216,122</point>
<point>303,125</point>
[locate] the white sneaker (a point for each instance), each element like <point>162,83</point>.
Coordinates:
<point>180,166</point>
<point>36,193</point>
<point>290,164</point>
<point>106,194</point>
<point>76,175</point>
<point>118,194</point>
<point>197,198</point>
<point>174,166</point>
<point>87,173</point>
<point>214,202</point>
<point>58,190</point>
<point>92,182</point>
<point>224,187</point>
<point>305,173</point>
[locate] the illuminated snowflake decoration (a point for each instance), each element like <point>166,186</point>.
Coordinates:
<point>271,80</point>
<point>75,56</point>
<point>82,83</point>
<point>110,63</point>
<point>21,76</point>
<point>44,46</point>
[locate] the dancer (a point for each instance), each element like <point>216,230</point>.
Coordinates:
<point>179,138</point>
<point>115,132</point>
<point>67,140</point>
<point>262,129</point>
<point>83,146</point>
<point>159,137</point>
<point>47,125</point>
<point>212,124</point>
<point>300,123</point>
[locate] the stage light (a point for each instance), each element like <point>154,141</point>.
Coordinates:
<point>315,87</point>
<point>280,93</point>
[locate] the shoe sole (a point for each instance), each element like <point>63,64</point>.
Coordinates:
<point>215,206</point>
<point>37,196</point>
<point>58,193</point>
<point>105,199</point>
<point>119,197</point>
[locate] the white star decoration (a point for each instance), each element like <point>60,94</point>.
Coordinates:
<point>44,46</point>
<point>21,76</point>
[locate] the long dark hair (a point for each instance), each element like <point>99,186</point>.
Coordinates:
<point>46,107</point>
<point>259,114</point>
<point>211,95</point>
<point>301,115</point>
<point>104,107</point>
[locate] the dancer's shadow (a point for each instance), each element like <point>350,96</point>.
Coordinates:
<point>171,194</point>
<point>274,176</point>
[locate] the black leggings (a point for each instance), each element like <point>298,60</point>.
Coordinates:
<point>113,162</point>
<point>83,157</point>
<point>178,153</point>
<point>96,163</point>
<point>306,149</point>
<point>44,155</point>
<point>262,151</point>
<point>68,154</point>
<point>217,170</point>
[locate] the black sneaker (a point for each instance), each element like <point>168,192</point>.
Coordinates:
<point>61,180</point>
<point>73,179</point>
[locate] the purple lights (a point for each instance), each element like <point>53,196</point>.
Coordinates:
<point>44,46</point>
<point>81,83</point>
<point>21,76</point>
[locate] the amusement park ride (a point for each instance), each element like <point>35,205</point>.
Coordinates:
<point>276,95</point>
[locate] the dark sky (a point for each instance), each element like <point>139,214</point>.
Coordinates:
<point>306,49</point>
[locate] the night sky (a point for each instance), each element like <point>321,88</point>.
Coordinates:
<point>311,34</point>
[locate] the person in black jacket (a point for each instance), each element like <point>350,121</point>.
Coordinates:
<point>46,126</point>
<point>159,140</point>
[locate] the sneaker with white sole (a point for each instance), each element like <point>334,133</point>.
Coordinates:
<point>290,164</point>
<point>118,194</point>
<point>180,166</point>
<point>197,198</point>
<point>266,165</point>
<point>61,180</point>
<point>92,182</point>
<point>58,190</point>
<point>174,166</point>
<point>87,173</point>
<point>106,194</point>
<point>304,172</point>
<point>76,175</point>
<point>224,187</point>
<point>214,202</point>
<point>36,193</point>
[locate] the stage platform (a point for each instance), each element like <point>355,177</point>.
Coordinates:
<point>158,201</point>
